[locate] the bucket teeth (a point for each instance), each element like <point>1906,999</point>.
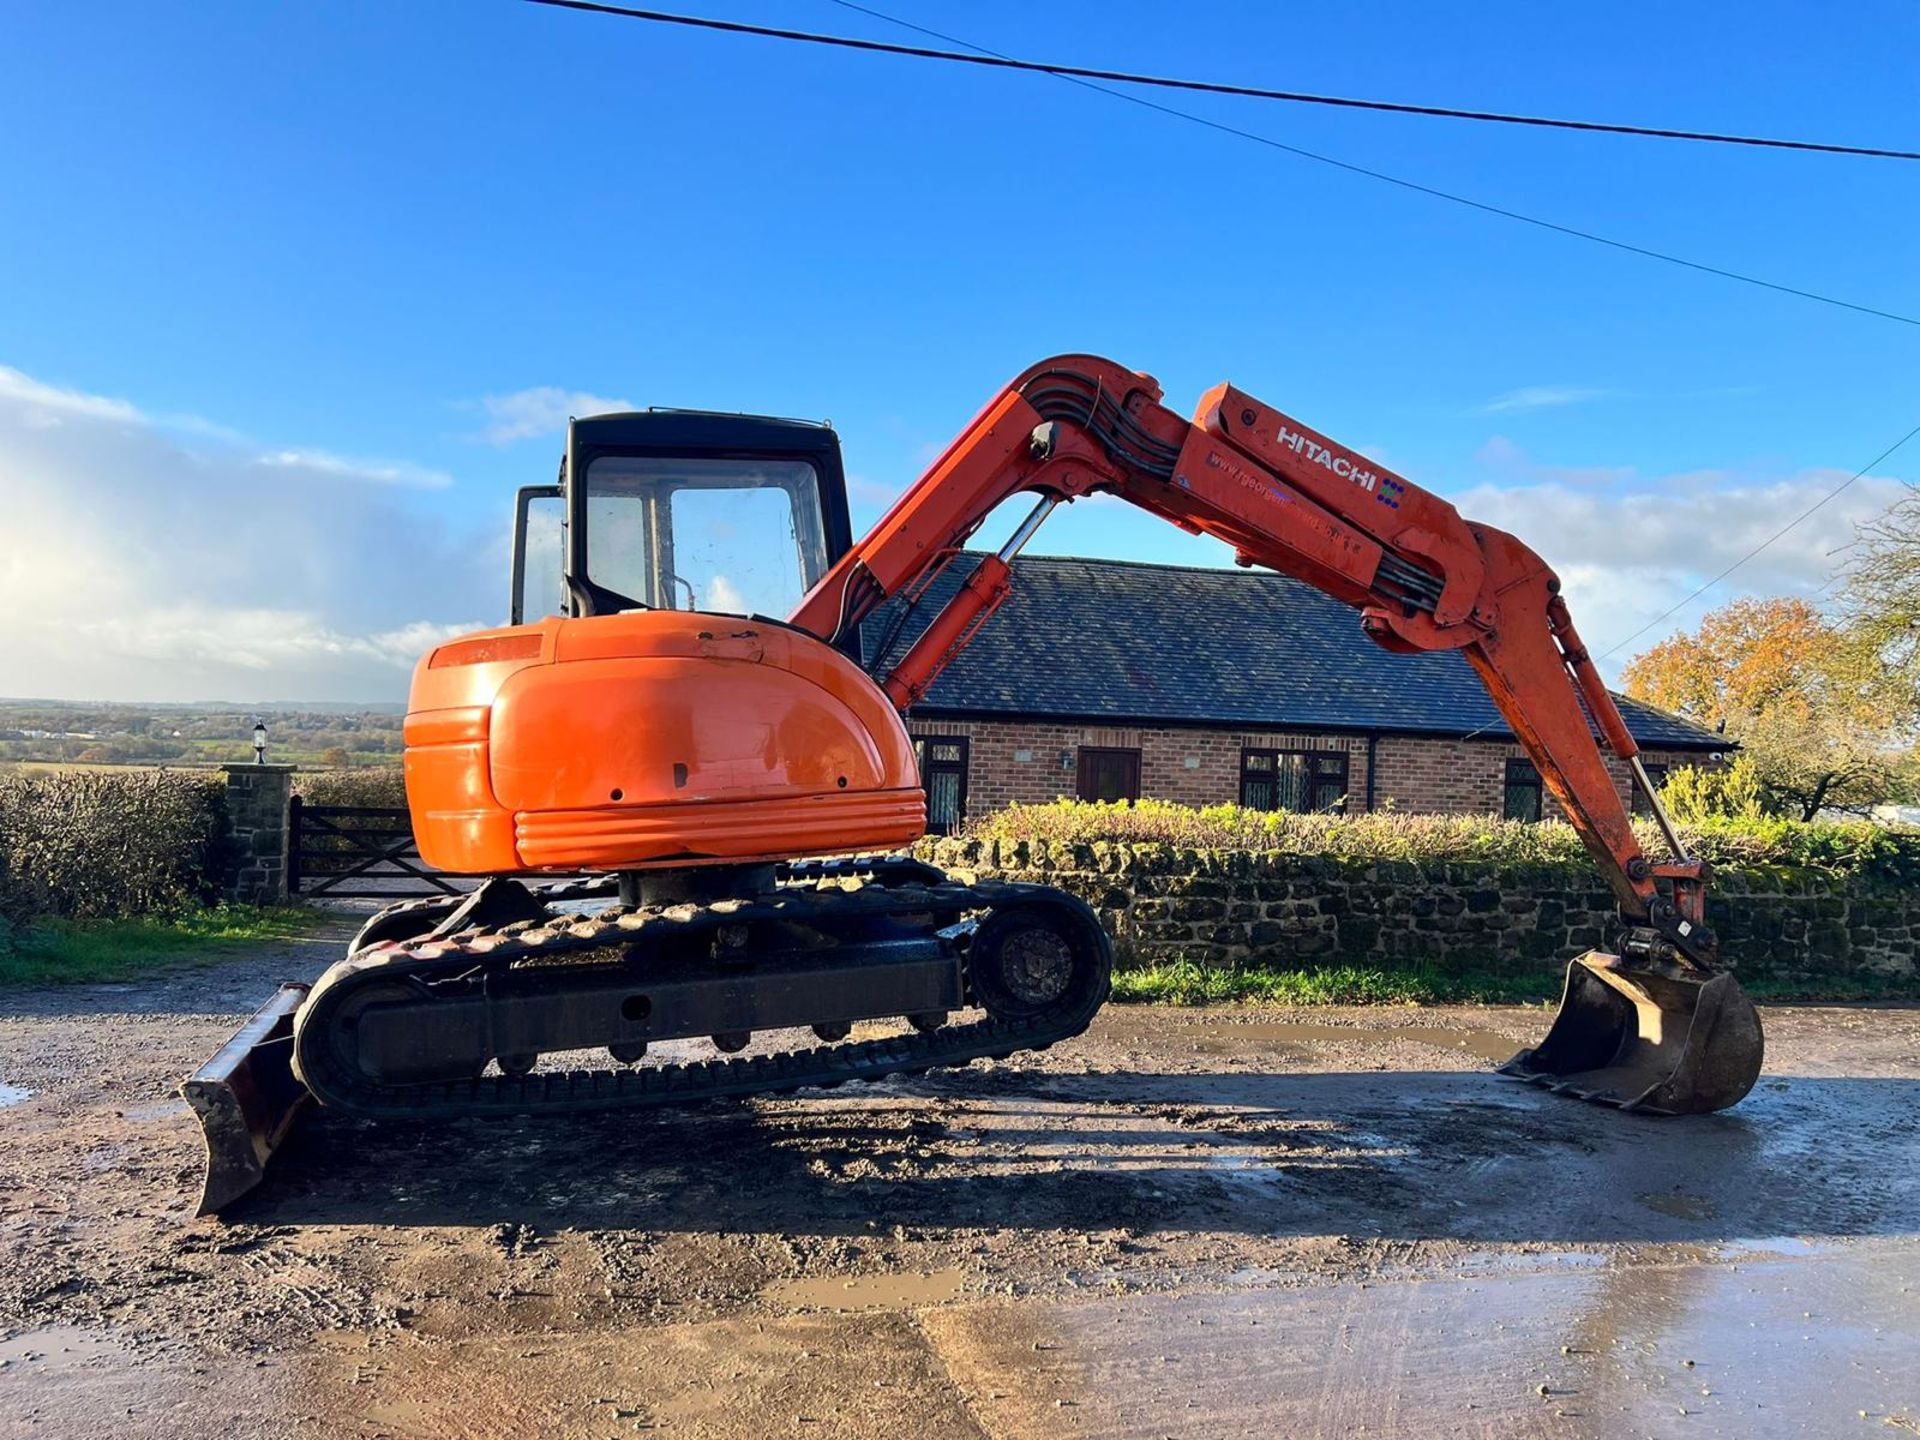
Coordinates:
<point>1663,1041</point>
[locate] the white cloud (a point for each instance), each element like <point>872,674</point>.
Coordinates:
<point>863,489</point>
<point>44,406</point>
<point>723,594</point>
<point>1627,555</point>
<point>1507,463</point>
<point>41,405</point>
<point>258,640</point>
<point>540,410</point>
<point>140,563</point>
<point>1541,397</point>
<point>379,472</point>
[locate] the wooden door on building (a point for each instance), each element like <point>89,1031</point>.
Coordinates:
<point>1108,774</point>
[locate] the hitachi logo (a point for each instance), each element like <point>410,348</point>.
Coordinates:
<point>1339,464</point>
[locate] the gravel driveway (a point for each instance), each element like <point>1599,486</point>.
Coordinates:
<point>1192,1223</point>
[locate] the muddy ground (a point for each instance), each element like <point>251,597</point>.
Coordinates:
<point>1186,1223</point>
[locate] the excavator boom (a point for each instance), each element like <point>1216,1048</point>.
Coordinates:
<point>1654,1027</point>
<point>1288,499</point>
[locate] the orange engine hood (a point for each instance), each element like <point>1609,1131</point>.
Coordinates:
<point>660,737</point>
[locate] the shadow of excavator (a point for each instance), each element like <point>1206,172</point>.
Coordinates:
<point>1414,1155</point>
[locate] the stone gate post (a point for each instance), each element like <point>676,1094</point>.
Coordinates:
<point>257,797</point>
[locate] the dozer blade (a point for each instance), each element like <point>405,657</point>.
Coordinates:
<point>1663,1040</point>
<point>247,1097</point>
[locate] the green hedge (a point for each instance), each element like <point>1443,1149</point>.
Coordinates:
<point>1846,848</point>
<point>380,787</point>
<point>14,908</point>
<point>91,844</point>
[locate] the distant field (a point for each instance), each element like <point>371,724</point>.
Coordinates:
<point>104,765</point>
<point>304,761</point>
<point>58,733</point>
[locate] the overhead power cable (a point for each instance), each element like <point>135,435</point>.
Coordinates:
<point>1681,605</point>
<point>1451,197</point>
<point>733,27</point>
<point>1676,608</point>
<point>994,60</point>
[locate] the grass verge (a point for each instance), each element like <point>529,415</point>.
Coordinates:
<point>1835,989</point>
<point>1184,982</point>
<point>56,952</point>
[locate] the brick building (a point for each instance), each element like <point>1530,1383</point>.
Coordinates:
<point>1112,680</point>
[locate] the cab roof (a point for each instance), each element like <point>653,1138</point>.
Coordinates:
<point>703,430</point>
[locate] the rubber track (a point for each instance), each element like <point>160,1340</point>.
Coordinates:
<point>686,1083</point>
<point>434,908</point>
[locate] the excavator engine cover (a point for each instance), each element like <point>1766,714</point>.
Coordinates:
<point>1663,1040</point>
<point>648,739</point>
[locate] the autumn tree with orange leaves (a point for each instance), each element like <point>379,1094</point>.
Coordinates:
<point>1808,699</point>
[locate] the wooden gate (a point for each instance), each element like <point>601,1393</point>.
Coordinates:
<point>357,852</point>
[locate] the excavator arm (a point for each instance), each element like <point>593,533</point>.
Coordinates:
<point>1292,500</point>
<point>1658,1026</point>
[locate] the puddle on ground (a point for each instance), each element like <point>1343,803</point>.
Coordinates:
<point>1486,1044</point>
<point>13,1095</point>
<point>1808,1347</point>
<point>1509,1262</point>
<point>1770,1246</point>
<point>56,1347</point>
<point>1681,1207</point>
<point>869,1292</point>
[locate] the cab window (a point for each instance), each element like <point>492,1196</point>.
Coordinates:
<point>734,536</point>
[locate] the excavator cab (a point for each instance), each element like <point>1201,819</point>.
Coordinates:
<point>681,510</point>
<point>650,704</point>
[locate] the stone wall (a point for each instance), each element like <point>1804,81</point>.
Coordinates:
<point>1033,761</point>
<point>1228,907</point>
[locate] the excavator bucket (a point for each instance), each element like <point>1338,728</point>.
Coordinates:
<point>247,1097</point>
<point>1662,1040</point>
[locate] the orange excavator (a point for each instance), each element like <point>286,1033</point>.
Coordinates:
<point>695,731</point>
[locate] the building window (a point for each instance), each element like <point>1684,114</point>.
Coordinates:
<point>1109,774</point>
<point>1307,782</point>
<point>943,774</point>
<point>1522,800</point>
<point>1657,775</point>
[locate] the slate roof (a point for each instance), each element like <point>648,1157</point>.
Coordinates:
<point>1111,641</point>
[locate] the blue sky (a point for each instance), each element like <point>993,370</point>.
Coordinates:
<point>292,296</point>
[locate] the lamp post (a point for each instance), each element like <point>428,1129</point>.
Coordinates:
<point>259,742</point>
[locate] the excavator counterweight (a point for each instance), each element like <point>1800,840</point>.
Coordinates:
<point>660,731</point>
